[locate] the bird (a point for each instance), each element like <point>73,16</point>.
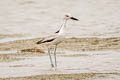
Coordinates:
<point>56,38</point>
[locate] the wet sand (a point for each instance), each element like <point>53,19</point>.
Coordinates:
<point>83,58</point>
<point>12,35</point>
<point>94,65</point>
<point>75,44</point>
<point>82,76</point>
<point>97,59</point>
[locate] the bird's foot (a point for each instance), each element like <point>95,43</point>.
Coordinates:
<point>52,65</point>
<point>53,69</point>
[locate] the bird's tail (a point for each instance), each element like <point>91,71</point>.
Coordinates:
<point>39,42</point>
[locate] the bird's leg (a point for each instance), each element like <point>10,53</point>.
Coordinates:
<point>50,57</point>
<point>55,55</point>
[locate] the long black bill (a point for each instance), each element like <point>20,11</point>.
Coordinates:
<point>74,18</point>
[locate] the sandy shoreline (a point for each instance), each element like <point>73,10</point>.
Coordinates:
<point>2,36</point>
<point>80,44</point>
<point>93,55</point>
<point>82,76</point>
<point>95,66</point>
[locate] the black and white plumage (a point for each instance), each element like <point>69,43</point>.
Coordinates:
<point>47,39</point>
<point>56,38</point>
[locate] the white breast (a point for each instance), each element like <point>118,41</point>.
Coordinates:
<point>61,34</point>
<point>59,39</point>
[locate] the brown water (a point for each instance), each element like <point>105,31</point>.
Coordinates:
<point>99,18</point>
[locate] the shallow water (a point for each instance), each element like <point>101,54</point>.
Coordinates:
<point>97,18</point>
<point>105,62</point>
<point>8,52</point>
<point>14,39</point>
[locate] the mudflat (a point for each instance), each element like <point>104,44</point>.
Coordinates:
<point>75,44</point>
<point>97,59</point>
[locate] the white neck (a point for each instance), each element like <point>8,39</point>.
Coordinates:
<point>63,27</point>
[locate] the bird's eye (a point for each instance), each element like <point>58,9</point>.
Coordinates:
<point>67,16</point>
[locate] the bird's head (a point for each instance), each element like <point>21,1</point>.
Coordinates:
<point>68,16</point>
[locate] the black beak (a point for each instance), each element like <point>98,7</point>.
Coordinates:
<point>74,18</point>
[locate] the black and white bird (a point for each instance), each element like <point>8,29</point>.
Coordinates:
<point>56,38</point>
